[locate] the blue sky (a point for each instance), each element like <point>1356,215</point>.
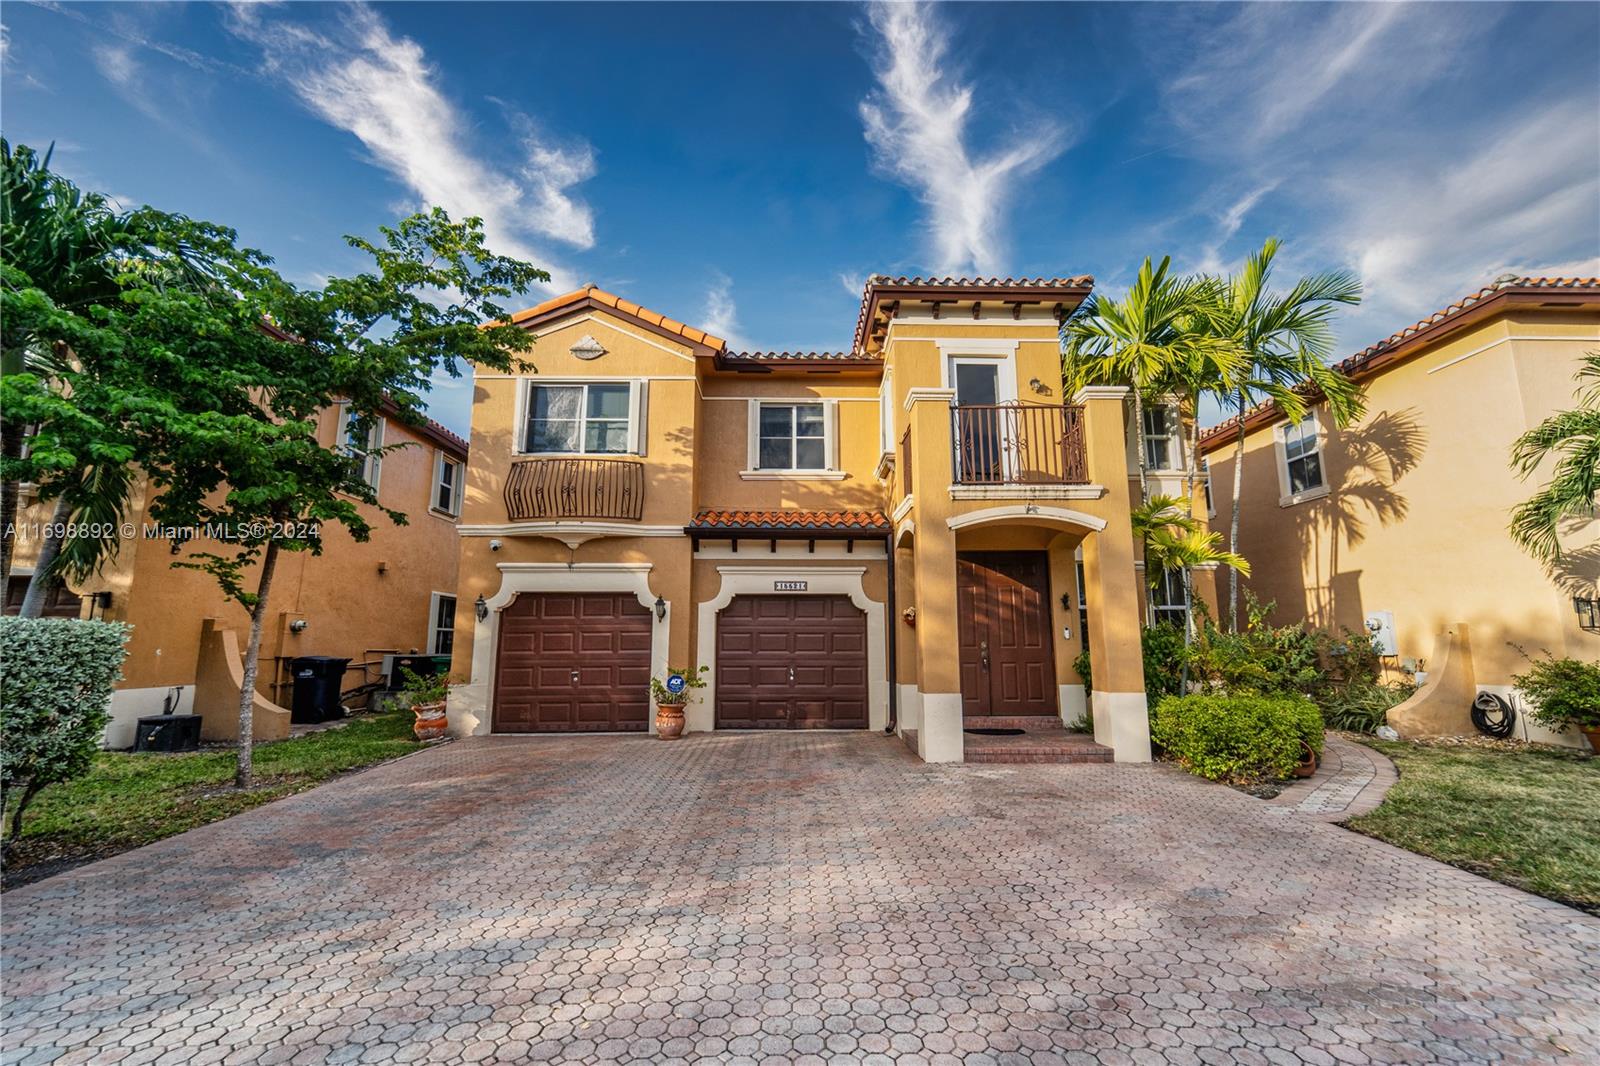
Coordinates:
<point>744,167</point>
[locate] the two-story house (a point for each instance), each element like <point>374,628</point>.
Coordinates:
<point>362,601</point>
<point>903,535</point>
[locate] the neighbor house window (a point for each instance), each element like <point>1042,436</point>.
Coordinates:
<point>1205,483</point>
<point>441,624</point>
<point>1160,437</point>
<point>1169,598</point>
<point>792,436</point>
<point>363,445</point>
<point>1302,456</point>
<point>587,419</point>
<point>447,478</point>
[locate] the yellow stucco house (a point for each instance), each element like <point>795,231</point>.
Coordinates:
<point>1401,520</point>
<point>908,536</point>
<point>393,594</point>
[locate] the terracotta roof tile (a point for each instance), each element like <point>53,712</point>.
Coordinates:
<point>810,357</point>
<point>1356,363</point>
<point>971,285</point>
<point>627,307</point>
<point>865,521</point>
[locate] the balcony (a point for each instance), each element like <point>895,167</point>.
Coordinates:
<point>1018,444</point>
<point>556,489</point>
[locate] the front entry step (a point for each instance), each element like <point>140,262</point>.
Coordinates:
<point>1042,741</point>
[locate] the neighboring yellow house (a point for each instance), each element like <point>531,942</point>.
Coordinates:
<point>903,535</point>
<point>1401,520</point>
<point>395,593</point>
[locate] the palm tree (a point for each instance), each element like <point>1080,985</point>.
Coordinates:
<point>1172,539</point>
<point>1138,341</point>
<point>1572,438</point>
<point>1285,341</point>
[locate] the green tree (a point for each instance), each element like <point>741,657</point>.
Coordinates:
<point>1172,539</point>
<point>1572,439</point>
<point>1284,341</point>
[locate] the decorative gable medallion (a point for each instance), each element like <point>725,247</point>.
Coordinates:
<point>587,348</point>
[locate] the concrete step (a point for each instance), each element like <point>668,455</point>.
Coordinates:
<point>1032,723</point>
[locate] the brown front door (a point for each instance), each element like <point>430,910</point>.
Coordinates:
<point>791,662</point>
<point>572,663</point>
<point>1003,630</point>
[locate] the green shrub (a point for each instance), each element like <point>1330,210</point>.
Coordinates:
<point>56,679</point>
<point>1163,661</point>
<point>1564,692</point>
<point>1263,658</point>
<point>1360,707</point>
<point>1081,665</point>
<point>1238,739</point>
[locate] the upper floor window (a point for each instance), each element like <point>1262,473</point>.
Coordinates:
<point>1302,456</point>
<point>1169,598</point>
<point>441,624</point>
<point>792,436</point>
<point>599,418</point>
<point>363,445</point>
<point>447,481</point>
<point>1205,484</point>
<point>1160,437</point>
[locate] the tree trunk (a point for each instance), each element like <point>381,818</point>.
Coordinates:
<point>1233,526</point>
<point>1188,632</point>
<point>1192,473</point>
<point>11,448</point>
<point>14,832</point>
<point>43,580</point>
<point>1144,484</point>
<point>243,774</point>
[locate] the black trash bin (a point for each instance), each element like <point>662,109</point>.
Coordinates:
<point>421,665</point>
<point>317,681</point>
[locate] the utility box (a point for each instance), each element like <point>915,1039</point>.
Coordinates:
<point>421,665</point>
<point>1380,624</point>
<point>318,680</point>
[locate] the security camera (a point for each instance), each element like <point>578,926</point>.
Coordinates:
<point>494,545</point>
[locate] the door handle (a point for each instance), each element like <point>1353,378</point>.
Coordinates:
<point>791,675</point>
<point>574,677</point>
<point>983,653</point>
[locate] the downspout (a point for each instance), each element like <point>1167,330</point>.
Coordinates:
<point>894,628</point>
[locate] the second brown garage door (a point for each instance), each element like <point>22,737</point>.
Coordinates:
<point>791,662</point>
<point>573,663</point>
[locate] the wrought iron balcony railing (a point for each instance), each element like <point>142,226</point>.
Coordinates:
<point>575,488</point>
<point>1018,444</point>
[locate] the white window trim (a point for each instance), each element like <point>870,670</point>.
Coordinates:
<point>440,458</point>
<point>1175,442</point>
<point>1280,455</point>
<point>1003,355</point>
<point>886,438</point>
<point>434,628</point>
<point>638,415</point>
<point>373,465</point>
<point>830,442</point>
<point>1208,491</point>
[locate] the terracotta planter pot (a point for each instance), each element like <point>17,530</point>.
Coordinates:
<point>1594,739</point>
<point>669,721</point>
<point>1308,761</point>
<point>431,721</point>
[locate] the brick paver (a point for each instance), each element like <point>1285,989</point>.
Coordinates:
<point>801,897</point>
<point>1351,781</point>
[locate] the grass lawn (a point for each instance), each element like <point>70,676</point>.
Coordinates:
<point>129,800</point>
<point>1527,816</point>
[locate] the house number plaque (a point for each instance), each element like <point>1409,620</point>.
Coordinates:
<point>788,586</point>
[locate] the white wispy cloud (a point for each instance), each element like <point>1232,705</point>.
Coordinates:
<point>361,77</point>
<point>917,122</point>
<point>721,315</point>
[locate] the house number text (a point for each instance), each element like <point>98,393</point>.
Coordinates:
<point>788,586</point>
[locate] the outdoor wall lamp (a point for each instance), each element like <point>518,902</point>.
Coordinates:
<point>1066,601</point>
<point>661,609</point>
<point>480,608</point>
<point>1588,614</point>
<point>298,625</point>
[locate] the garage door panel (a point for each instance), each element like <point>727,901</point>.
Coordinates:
<point>791,661</point>
<point>569,663</point>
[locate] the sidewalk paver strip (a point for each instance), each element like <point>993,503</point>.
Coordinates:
<point>791,897</point>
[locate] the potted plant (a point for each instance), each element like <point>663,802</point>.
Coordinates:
<point>427,696</point>
<point>1564,693</point>
<point>671,695</point>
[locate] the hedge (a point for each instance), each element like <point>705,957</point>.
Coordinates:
<point>1240,739</point>
<point>56,680</point>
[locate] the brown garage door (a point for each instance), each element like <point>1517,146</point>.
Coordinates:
<point>791,662</point>
<point>572,663</point>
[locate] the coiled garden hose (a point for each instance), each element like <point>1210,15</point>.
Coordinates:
<point>1493,716</point>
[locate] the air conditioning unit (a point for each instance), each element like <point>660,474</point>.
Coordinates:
<point>1381,625</point>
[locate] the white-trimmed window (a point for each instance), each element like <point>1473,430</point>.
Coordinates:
<point>792,438</point>
<point>582,418</point>
<point>441,623</point>
<point>886,439</point>
<point>448,475</point>
<point>363,446</point>
<point>1169,598</point>
<point>1160,438</point>
<point>1205,484</point>
<point>1302,457</point>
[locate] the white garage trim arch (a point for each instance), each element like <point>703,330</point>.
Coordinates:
<point>471,706</point>
<point>820,581</point>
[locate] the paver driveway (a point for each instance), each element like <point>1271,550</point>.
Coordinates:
<point>791,897</point>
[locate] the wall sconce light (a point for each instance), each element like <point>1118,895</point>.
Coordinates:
<point>661,609</point>
<point>1588,612</point>
<point>1036,385</point>
<point>910,615</point>
<point>480,608</point>
<point>298,625</point>
<point>1066,601</point>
